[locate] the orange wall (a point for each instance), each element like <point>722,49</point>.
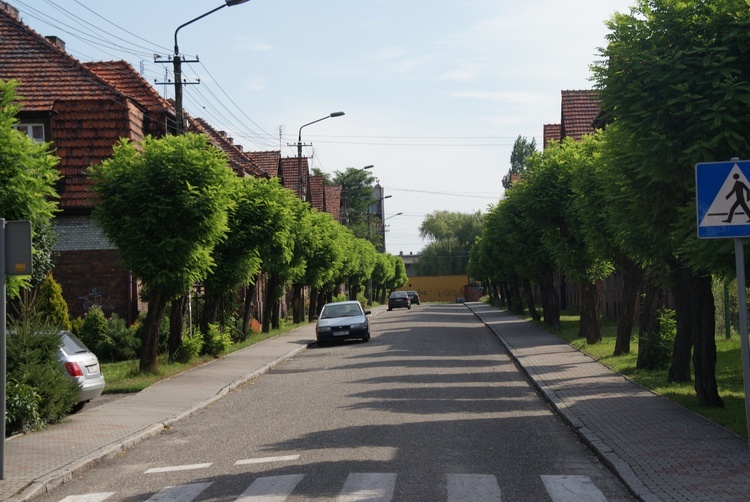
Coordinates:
<point>443,288</point>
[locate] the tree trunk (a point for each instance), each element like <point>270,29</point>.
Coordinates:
<point>251,293</point>
<point>632,277</point>
<point>211,304</point>
<point>298,303</point>
<point>590,326</point>
<point>276,315</point>
<point>679,371</point>
<point>270,302</point>
<point>697,315</point>
<point>550,300</point>
<point>177,324</point>
<point>533,312</point>
<point>313,308</point>
<point>157,304</point>
<point>648,332</point>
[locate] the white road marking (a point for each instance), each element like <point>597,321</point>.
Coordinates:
<point>89,497</point>
<point>572,489</point>
<point>271,489</point>
<point>372,487</point>
<point>177,468</point>
<point>180,493</point>
<point>285,458</point>
<point>473,487</point>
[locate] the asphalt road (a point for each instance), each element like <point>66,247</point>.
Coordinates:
<point>431,409</point>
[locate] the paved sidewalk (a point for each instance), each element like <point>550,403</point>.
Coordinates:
<point>37,462</point>
<point>661,451</point>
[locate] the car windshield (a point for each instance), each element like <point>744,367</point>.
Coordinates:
<point>345,310</point>
<point>398,294</point>
<point>72,345</point>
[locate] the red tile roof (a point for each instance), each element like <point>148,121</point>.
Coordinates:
<point>579,110</point>
<point>85,114</point>
<point>268,161</point>
<point>333,201</point>
<point>238,161</point>
<point>552,133</point>
<point>317,192</point>
<point>293,171</point>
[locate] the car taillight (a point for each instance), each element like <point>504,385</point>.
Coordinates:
<point>73,369</point>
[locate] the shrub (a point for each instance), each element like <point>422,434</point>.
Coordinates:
<point>657,350</point>
<point>216,342</point>
<point>94,328</point>
<point>51,304</point>
<point>21,408</point>
<point>340,298</point>
<point>191,346</point>
<point>120,343</point>
<point>76,325</point>
<point>33,363</point>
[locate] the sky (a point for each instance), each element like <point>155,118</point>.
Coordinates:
<point>435,92</point>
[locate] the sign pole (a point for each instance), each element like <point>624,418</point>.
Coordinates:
<point>3,361</point>
<point>739,254</point>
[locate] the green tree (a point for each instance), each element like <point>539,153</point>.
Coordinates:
<point>165,207</point>
<point>452,236</point>
<point>523,149</point>
<point>27,178</point>
<point>323,257</point>
<point>674,80</point>
<point>51,303</point>
<point>357,186</point>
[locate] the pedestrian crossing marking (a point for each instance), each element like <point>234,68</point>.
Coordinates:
<point>271,489</point>
<point>372,487</point>
<point>285,458</point>
<point>572,489</point>
<point>474,487</point>
<point>180,493</point>
<point>89,497</point>
<point>175,468</point>
<point>376,487</point>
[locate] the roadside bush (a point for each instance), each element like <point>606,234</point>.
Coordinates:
<point>340,298</point>
<point>658,349</point>
<point>76,325</point>
<point>191,346</point>
<point>120,342</point>
<point>51,304</point>
<point>94,328</point>
<point>33,363</point>
<point>216,342</point>
<point>21,408</point>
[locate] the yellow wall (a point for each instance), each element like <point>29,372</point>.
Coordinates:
<point>443,288</point>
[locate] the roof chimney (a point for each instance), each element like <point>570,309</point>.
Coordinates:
<point>56,41</point>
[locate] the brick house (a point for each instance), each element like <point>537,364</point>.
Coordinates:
<point>83,110</point>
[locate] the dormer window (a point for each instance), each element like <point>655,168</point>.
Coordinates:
<point>33,131</point>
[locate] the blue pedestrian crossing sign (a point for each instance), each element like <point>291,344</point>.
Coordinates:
<point>723,199</point>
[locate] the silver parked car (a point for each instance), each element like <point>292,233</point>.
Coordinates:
<point>342,321</point>
<point>82,366</point>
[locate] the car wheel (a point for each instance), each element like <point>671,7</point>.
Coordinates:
<point>389,309</point>
<point>409,307</point>
<point>321,343</point>
<point>78,407</point>
<point>366,338</point>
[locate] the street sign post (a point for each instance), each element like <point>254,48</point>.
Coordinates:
<point>15,259</point>
<point>722,195</point>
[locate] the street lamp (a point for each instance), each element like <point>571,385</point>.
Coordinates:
<point>299,148</point>
<point>177,62</point>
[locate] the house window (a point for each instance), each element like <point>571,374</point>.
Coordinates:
<point>33,131</point>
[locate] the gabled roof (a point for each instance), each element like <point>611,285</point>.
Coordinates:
<point>552,133</point>
<point>123,77</point>
<point>579,110</point>
<point>268,161</point>
<point>46,72</point>
<point>238,161</point>
<point>294,175</point>
<point>317,192</point>
<point>333,201</point>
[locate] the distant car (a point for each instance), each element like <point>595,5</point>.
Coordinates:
<point>414,297</point>
<point>82,366</point>
<point>399,299</point>
<point>342,321</point>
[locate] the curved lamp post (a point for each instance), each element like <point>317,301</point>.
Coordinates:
<point>300,179</point>
<point>177,62</point>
